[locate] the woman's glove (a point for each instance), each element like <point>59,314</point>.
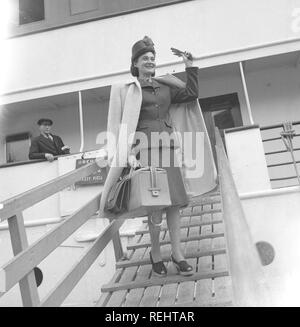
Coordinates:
<point>187,57</point>
<point>133,162</point>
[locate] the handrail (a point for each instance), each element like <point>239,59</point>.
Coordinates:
<point>24,262</point>
<point>248,281</point>
<point>29,198</point>
<point>277,138</point>
<point>20,269</point>
<point>286,135</point>
<point>263,128</point>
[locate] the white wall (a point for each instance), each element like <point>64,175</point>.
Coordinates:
<point>59,262</point>
<point>274,94</point>
<point>275,219</point>
<point>104,47</point>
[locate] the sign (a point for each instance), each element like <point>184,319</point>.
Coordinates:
<point>97,177</point>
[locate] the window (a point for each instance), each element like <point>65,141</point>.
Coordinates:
<point>17,147</point>
<point>81,6</point>
<point>31,11</point>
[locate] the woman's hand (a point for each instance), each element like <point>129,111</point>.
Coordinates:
<point>186,56</point>
<point>133,162</point>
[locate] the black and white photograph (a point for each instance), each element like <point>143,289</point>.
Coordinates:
<point>150,156</point>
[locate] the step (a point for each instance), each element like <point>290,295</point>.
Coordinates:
<point>157,281</point>
<point>184,225</point>
<point>194,214</point>
<point>185,239</point>
<point>146,261</point>
<point>228,303</point>
<point>211,199</point>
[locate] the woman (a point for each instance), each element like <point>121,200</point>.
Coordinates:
<point>144,106</point>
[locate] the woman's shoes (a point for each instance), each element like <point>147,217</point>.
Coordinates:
<point>159,269</point>
<point>183,267</point>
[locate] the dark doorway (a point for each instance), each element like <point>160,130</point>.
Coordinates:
<point>221,111</point>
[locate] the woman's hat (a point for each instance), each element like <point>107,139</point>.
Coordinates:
<point>142,46</point>
<point>45,120</point>
<point>139,48</point>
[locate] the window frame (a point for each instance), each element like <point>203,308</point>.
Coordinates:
<point>33,22</point>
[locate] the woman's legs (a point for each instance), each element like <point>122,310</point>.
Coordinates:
<point>154,235</point>
<point>173,221</point>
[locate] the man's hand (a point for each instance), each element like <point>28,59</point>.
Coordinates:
<point>65,147</point>
<point>133,162</point>
<point>49,157</point>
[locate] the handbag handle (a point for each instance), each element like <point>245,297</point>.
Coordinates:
<point>153,178</point>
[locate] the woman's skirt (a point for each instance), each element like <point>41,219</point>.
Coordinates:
<point>166,158</point>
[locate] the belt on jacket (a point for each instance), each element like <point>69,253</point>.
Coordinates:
<point>165,120</point>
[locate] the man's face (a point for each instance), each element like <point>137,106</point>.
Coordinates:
<point>45,128</point>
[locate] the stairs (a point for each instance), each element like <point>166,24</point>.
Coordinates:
<point>203,242</point>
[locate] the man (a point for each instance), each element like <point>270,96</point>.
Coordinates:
<point>47,145</point>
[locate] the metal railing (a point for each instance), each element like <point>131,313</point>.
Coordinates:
<point>248,281</point>
<point>287,136</point>
<point>20,269</point>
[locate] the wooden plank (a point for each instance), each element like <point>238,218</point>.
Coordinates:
<point>196,213</point>
<point>190,253</point>
<point>168,295</point>
<point>186,289</point>
<point>223,290</point>
<point>186,239</point>
<point>70,280</point>
<point>151,294</point>
<point>199,212</point>
<point>27,199</point>
<point>203,304</point>
<point>28,286</point>
<point>163,280</point>
<point>207,200</point>
<point>150,297</point>
<point>204,288</point>
<point>117,298</point>
<point>105,297</point>
<point>222,285</point>
<point>134,296</point>
<point>23,263</point>
<point>218,242</point>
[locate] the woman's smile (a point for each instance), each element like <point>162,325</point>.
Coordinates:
<point>146,64</point>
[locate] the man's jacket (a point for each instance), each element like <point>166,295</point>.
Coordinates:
<point>41,145</point>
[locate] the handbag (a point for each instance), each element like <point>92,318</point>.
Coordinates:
<point>118,196</point>
<point>139,193</point>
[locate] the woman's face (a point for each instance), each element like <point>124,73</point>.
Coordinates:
<point>146,64</point>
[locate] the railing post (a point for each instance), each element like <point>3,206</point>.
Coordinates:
<point>28,287</point>
<point>248,280</point>
<point>118,249</point>
<point>287,137</point>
